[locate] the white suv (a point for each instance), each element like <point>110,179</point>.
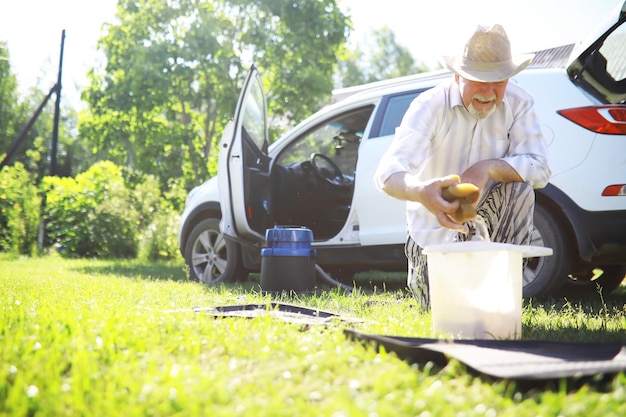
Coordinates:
<point>319,175</point>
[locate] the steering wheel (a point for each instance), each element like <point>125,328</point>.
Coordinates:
<point>327,170</point>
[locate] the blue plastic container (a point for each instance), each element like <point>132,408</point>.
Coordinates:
<point>288,262</point>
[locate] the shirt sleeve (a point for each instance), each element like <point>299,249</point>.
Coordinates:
<point>528,149</point>
<point>410,147</point>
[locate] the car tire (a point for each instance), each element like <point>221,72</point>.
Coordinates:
<point>611,278</point>
<point>546,275</point>
<point>210,258</point>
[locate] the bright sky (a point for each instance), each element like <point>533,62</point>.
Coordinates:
<point>428,28</point>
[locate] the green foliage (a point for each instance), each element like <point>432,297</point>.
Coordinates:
<point>159,218</point>
<point>19,210</point>
<point>122,338</point>
<point>379,59</point>
<point>112,213</point>
<point>8,99</point>
<point>33,149</point>
<point>174,71</point>
<point>295,44</point>
<point>145,195</point>
<point>159,239</point>
<point>92,215</point>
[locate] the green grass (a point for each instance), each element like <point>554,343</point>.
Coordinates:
<point>121,338</point>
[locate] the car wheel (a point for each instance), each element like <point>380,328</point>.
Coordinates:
<point>546,275</point>
<point>210,258</point>
<point>607,278</point>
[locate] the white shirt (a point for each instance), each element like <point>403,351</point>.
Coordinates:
<point>439,137</point>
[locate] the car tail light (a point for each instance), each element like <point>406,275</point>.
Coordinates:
<point>608,120</point>
<point>615,190</point>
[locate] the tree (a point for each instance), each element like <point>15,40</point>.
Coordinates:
<point>8,101</point>
<point>386,59</point>
<point>34,149</point>
<point>174,70</point>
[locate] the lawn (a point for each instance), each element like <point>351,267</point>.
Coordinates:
<point>122,338</point>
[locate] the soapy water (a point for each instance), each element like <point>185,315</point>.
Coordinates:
<point>478,229</point>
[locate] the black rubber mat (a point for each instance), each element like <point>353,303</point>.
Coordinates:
<point>286,312</point>
<point>508,359</point>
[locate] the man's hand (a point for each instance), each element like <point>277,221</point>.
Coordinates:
<point>467,195</point>
<point>429,193</point>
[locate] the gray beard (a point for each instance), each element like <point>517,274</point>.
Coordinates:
<point>480,115</point>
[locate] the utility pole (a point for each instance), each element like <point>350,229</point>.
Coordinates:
<point>55,127</point>
<point>54,146</point>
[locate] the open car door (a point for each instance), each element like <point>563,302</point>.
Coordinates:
<point>244,167</point>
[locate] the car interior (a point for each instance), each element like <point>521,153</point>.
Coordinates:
<point>313,178</point>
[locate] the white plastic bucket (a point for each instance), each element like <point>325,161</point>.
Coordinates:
<point>476,288</point>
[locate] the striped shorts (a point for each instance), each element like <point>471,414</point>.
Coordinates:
<point>507,210</point>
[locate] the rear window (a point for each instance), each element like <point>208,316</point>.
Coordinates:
<point>614,51</point>
<point>601,70</point>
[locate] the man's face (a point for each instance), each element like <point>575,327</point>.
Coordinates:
<point>481,99</point>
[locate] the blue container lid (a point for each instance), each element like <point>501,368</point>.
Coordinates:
<point>289,237</point>
<point>302,252</point>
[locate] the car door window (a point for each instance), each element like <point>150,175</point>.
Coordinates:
<point>254,117</point>
<point>397,106</point>
<point>391,112</point>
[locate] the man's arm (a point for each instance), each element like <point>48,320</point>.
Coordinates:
<point>405,186</point>
<point>481,172</point>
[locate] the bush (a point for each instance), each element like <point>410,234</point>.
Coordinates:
<point>19,211</point>
<point>145,195</point>
<point>112,213</point>
<point>159,238</point>
<point>92,215</point>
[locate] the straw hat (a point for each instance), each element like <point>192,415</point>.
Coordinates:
<point>487,57</point>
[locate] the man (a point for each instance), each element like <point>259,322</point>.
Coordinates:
<point>480,127</point>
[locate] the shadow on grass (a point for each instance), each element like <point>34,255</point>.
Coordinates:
<point>574,333</point>
<point>378,281</point>
<point>138,269</point>
<point>587,301</point>
<point>589,317</point>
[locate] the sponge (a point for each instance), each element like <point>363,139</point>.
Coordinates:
<point>467,194</point>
